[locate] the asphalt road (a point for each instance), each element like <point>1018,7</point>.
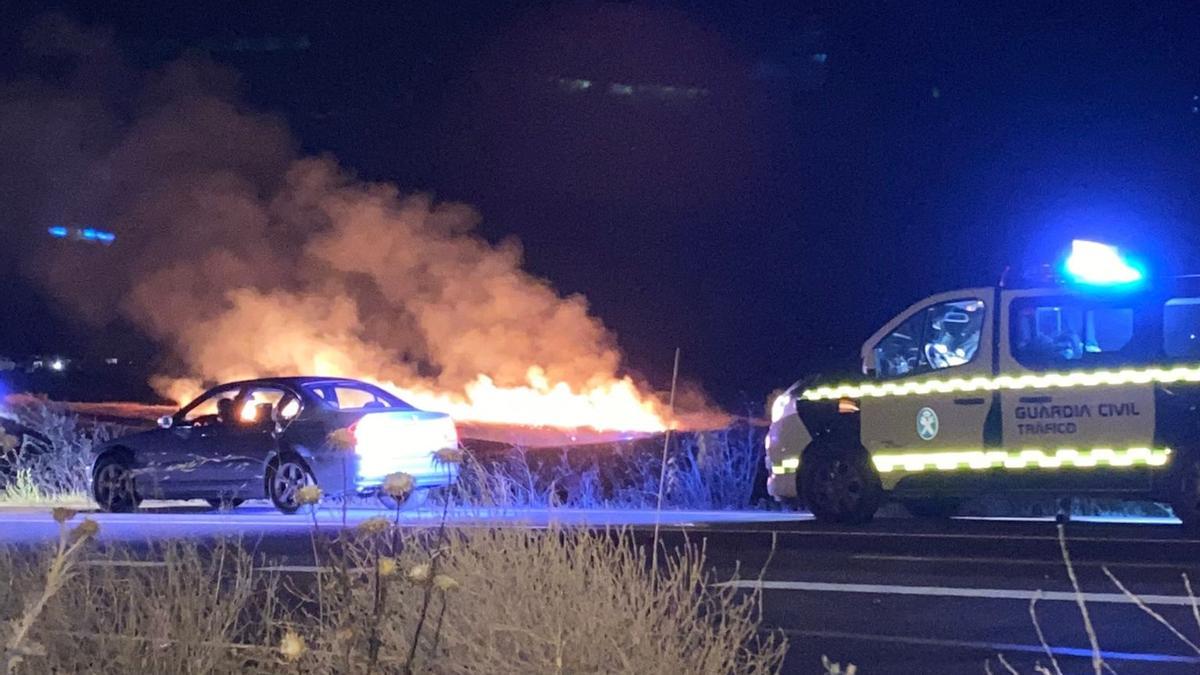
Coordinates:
<point>898,596</point>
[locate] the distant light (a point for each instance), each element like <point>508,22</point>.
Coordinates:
<point>91,234</point>
<point>57,365</point>
<point>1099,264</point>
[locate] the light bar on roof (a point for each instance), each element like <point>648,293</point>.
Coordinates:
<point>1097,264</point>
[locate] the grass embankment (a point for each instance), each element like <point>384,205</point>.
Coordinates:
<point>386,600</point>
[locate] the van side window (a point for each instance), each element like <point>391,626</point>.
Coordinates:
<point>941,336</point>
<point>1050,332</point>
<point>1181,328</point>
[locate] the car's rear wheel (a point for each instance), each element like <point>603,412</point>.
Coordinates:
<point>932,507</point>
<point>841,486</point>
<point>224,503</point>
<point>1185,490</point>
<point>113,487</point>
<point>285,477</point>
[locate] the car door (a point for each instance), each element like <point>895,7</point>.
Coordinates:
<point>235,452</point>
<point>177,467</point>
<point>921,358</point>
<point>1075,398</point>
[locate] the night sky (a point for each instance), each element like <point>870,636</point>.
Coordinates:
<point>760,186</point>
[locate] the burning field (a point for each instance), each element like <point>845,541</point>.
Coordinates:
<point>244,258</point>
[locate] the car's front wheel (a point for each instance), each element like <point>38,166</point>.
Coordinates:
<point>112,486</point>
<point>841,486</point>
<point>285,477</point>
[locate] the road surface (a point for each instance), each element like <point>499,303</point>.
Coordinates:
<point>898,596</point>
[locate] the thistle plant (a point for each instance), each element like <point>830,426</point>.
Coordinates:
<point>19,645</point>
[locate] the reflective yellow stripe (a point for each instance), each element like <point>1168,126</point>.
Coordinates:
<point>786,465</point>
<point>1018,459</point>
<point>1008,382</point>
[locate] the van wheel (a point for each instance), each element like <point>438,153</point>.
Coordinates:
<point>932,507</point>
<point>840,486</point>
<point>1185,490</point>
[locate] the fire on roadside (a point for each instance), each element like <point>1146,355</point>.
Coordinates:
<point>614,404</point>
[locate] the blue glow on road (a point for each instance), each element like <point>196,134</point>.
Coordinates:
<point>58,231</point>
<point>176,520</point>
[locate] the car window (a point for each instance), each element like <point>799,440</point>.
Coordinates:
<point>350,396</point>
<point>258,403</point>
<point>942,336</point>
<point>1050,332</point>
<point>207,409</point>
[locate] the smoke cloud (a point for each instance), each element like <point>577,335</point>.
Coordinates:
<point>245,258</point>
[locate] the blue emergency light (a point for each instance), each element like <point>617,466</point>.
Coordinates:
<point>89,234</point>
<point>1095,264</point>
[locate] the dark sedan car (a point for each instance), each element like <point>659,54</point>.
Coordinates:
<point>268,438</point>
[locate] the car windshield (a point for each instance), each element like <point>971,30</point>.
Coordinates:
<point>354,396</point>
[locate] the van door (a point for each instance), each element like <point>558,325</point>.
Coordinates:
<point>1075,397</point>
<point>945,338</point>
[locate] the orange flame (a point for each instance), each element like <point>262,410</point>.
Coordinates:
<point>611,405</point>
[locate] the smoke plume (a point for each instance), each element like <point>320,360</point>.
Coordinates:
<point>245,258</point>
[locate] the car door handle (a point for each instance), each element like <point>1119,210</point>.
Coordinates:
<point>968,401</point>
<point>1035,399</point>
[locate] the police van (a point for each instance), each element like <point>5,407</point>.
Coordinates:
<point>1081,381</point>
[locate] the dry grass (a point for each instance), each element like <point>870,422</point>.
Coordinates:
<point>452,601</point>
<point>54,467</point>
<point>23,489</point>
<point>713,470</point>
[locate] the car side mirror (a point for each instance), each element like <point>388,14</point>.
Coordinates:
<point>166,422</point>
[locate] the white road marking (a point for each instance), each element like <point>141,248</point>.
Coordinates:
<point>307,569</point>
<point>123,563</point>
<point>957,535</point>
<point>1021,561</point>
<point>956,592</point>
<point>998,647</point>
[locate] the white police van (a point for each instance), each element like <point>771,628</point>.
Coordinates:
<point>1086,382</point>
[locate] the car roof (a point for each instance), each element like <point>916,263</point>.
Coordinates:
<point>296,381</point>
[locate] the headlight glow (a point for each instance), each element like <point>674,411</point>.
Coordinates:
<point>778,406</point>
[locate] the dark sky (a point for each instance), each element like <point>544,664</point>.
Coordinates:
<point>832,163</point>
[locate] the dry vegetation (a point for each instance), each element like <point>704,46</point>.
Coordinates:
<point>53,464</point>
<point>442,601</point>
<point>715,470</point>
